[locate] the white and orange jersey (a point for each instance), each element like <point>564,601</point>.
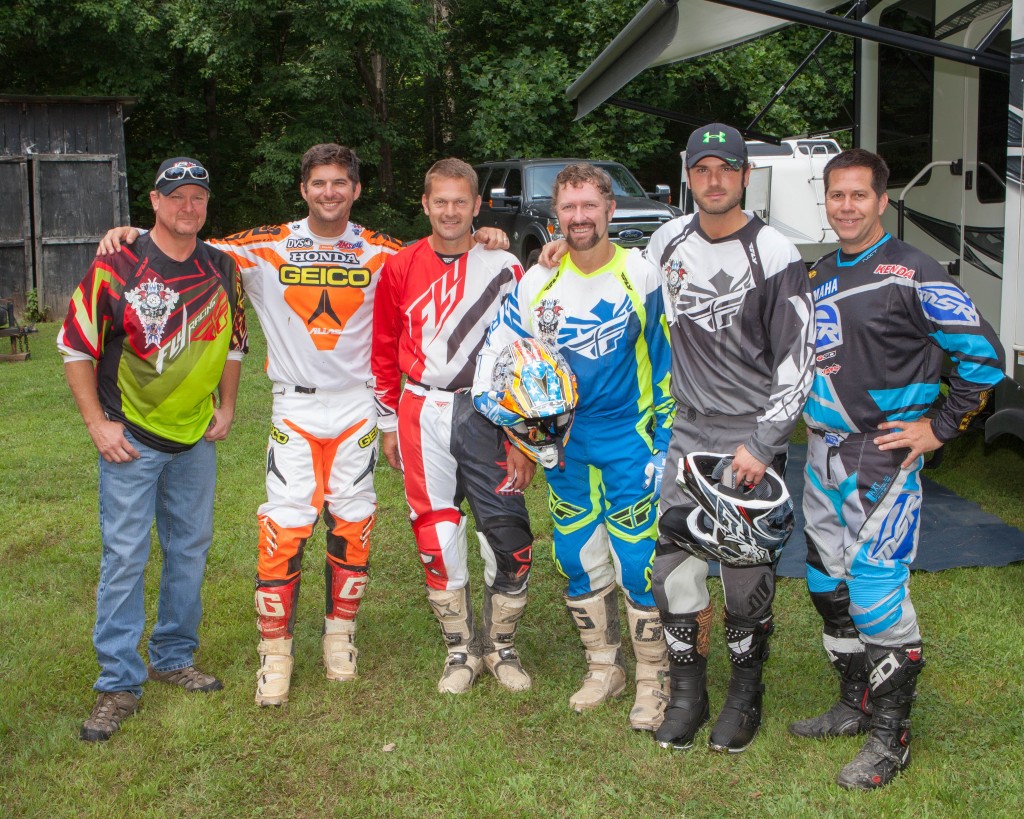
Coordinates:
<point>432,315</point>
<point>314,298</point>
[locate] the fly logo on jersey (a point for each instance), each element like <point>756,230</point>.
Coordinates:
<point>549,315</point>
<point>826,289</point>
<point>153,302</point>
<point>829,330</point>
<point>947,304</point>
<point>598,334</point>
<point>715,306</point>
<point>434,307</point>
<point>896,534</point>
<point>894,270</point>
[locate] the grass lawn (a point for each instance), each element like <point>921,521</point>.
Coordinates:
<point>389,744</point>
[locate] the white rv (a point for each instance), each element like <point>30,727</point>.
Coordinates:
<point>936,95</point>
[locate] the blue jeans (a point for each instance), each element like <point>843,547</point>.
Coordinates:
<point>176,489</point>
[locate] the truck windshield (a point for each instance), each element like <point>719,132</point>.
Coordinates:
<point>540,180</point>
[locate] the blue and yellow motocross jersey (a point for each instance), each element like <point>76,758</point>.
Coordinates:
<point>610,327</point>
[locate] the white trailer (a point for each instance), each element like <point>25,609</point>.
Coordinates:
<point>939,93</point>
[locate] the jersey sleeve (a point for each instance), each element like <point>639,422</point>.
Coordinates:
<point>239,332</point>
<point>506,328</point>
<point>90,316</point>
<point>950,319</point>
<point>387,329</point>
<point>660,354</point>
<point>789,321</point>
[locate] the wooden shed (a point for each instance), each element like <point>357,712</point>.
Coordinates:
<point>63,184</point>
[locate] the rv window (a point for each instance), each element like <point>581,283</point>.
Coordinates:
<point>905,91</point>
<point>993,119</point>
<point>767,149</point>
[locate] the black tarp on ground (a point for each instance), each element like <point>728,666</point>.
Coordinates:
<point>954,532</point>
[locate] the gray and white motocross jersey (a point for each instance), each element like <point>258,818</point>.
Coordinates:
<point>741,323</point>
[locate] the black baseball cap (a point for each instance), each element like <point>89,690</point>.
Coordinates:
<point>178,171</point>
<point>719,140</point>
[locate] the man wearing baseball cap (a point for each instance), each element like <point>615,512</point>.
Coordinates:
<point>720,141</point>
<point>152,347</point>
<point>738,303</point>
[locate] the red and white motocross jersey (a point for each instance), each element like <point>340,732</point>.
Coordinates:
<point>314,298</point>
<point>432,315</point>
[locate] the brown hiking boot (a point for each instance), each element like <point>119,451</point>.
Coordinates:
<point>111,708</point>
<point>190,678</point>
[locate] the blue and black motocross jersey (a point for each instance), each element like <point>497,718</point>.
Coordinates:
<point>884,319</point>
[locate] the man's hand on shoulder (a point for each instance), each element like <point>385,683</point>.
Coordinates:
<point>551,254</point>
<point>491,238</point>
<point>917,436</point>
<point>113,238</point>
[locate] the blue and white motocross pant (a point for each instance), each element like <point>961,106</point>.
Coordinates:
<point>863,516</point>
<point>603,504</point>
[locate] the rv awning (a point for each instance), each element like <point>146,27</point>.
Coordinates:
<point>668,31</point>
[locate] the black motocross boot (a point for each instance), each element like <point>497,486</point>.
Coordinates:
<point>893,686</point>
<point>851,714</point>
<point>740,718</point>
<point>688,708</point>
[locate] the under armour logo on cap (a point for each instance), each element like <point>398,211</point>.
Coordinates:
<point>716,139</point>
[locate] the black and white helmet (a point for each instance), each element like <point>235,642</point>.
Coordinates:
<point>745,526</point>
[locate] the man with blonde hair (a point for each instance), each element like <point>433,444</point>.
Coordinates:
<point>434,304</point>
<point>601,308</point>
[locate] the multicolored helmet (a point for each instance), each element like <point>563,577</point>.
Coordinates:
<point>536,384</point>
<point>741,526</point>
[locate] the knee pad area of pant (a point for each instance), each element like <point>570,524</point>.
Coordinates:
<point>834,608</point>
<point>508,544</point>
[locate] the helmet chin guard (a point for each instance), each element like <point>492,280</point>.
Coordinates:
<point>536,384</point>
<point>737,526</point>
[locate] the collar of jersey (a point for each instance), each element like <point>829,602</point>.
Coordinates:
<point>862,255</point>
<point>567,264</point>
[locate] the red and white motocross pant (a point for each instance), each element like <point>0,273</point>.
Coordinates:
<point>320,458</point>
<point>450,452</point>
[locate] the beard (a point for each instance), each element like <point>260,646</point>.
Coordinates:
<point>722,206</point>
<point>583,243</point>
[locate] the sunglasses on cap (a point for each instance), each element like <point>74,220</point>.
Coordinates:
<point>176,172</point>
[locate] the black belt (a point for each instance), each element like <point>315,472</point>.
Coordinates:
<point>305,390</point>
<point>428,387</point>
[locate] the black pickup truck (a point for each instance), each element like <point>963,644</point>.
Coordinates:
<point>516,197</point>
